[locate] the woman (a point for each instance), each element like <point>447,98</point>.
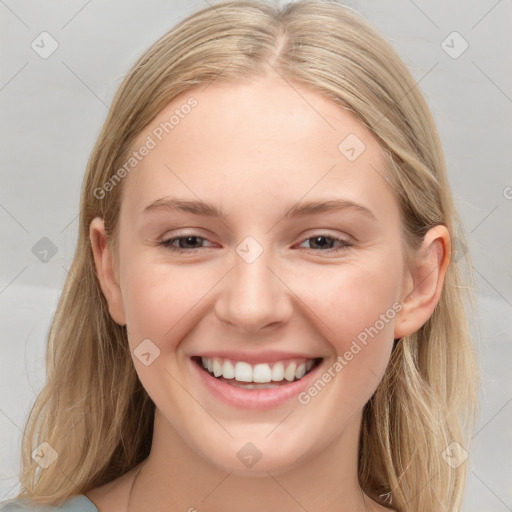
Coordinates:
<point>261,312</point>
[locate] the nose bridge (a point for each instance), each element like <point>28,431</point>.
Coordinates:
<point>252,296</point>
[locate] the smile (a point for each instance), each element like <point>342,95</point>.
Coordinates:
<point>239,372</point>
<point>260,385</point>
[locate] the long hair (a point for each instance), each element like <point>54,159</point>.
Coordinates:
<point>93,410</point>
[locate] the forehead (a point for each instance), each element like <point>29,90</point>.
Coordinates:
<point>240,142</point>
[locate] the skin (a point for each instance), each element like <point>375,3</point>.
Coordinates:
<point>253,149</point>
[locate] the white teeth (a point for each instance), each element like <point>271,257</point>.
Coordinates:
<point>217,367</point>
<point>301,371</point>
<point>243,372</point>
<point>278,372</point>
<point>259,373</point>
<point>289,373</point>
<point>228,370</point>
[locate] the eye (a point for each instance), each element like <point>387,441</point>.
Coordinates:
<point>325,243</point>
<point>183,243</point>
<point>191,243</point>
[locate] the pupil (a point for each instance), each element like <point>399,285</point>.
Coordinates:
<point>190,239</point>
<point>316,239</point>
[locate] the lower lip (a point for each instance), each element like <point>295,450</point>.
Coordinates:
<point>254,398</point>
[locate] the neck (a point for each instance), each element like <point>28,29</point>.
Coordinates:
<point>175,477</point>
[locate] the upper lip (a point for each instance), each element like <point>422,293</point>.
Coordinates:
<point>255,357</point>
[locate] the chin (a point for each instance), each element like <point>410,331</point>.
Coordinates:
<point>255,459</point>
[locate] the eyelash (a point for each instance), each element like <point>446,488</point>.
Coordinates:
<point>168,244</point>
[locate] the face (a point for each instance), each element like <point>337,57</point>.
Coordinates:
<point>270,285</point>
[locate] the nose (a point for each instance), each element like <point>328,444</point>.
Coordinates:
<point>253,295</point>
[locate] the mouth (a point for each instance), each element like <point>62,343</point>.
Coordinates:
<point>256,376</point>
<point>260,385</point>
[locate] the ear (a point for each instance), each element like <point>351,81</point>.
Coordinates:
<point>105,270</point>
<point>424,282</point>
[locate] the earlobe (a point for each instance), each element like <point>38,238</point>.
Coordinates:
<point>425,281</point>
<point>105,270</point>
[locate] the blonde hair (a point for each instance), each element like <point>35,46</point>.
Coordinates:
<point>93,409</point>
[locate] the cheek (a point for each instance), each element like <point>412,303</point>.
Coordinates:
<point>354,298</point>
<point>158,299</point>
<point>358,309</point>
<point>162,304</point>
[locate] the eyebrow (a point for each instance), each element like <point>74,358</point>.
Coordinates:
<point>296,210</point>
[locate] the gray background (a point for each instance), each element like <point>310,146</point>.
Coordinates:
<point>52,110</point>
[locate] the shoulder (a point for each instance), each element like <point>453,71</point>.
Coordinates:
<point>79,503</point>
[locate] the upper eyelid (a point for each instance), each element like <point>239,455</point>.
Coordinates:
<point>205,237</point>
<point>303,239</point>
<point>186,235</point>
